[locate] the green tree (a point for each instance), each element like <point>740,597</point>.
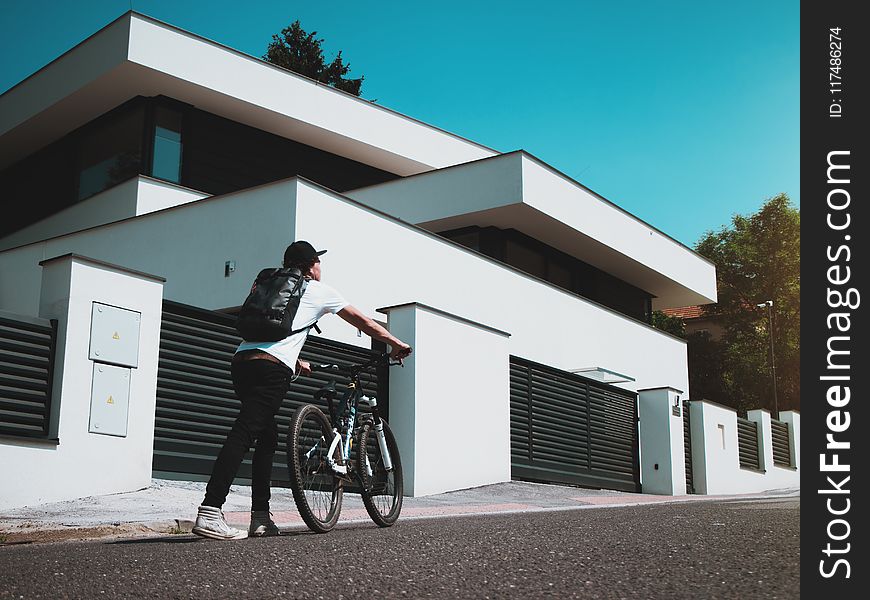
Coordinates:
<point>673,325</point>
<point>757,259</point>
<point>302,52</point>
<point>706,370</point>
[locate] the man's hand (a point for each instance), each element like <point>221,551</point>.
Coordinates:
<point>303,367</point>
<point>400,351</point>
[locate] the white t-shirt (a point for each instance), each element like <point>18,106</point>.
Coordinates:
<point>318,300</point>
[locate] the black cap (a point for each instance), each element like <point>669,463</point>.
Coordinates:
<point>300,253</point>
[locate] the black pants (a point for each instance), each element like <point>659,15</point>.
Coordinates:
<point>260,385</point>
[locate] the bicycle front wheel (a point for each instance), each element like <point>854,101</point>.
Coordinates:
<point>317,490</point>
<point>382,489</point>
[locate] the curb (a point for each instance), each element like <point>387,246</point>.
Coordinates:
<point>52,533</point>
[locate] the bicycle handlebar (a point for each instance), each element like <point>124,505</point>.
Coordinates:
<point>382,359</point>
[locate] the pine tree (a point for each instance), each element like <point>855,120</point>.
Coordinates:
<point>302,52</point>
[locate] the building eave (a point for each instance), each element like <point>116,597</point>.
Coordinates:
<point>138,55</point>
<point>518,191</point>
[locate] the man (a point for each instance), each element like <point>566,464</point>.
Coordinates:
<point>261,374</point>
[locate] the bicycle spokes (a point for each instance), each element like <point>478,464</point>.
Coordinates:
<point>381,474</point>
<point>316,490</point>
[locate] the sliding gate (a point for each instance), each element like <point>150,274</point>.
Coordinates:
<point>567,428</point>
<point>196,405</point>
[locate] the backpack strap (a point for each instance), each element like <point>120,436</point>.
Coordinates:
<point>302,282</point>
<point>306,328</point>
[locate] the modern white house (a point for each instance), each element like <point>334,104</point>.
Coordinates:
<point>148,174</point>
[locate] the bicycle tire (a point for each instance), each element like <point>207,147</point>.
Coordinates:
<point>381,492</point>
<point>317,491</point>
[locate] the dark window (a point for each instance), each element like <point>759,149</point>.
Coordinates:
<point>559,273</point>
<point>166,161</point>
<point>169,140</point>
<point>525,258</point>
<point>536,258</point>
<point>469,240</point>
<point>110,152</point>
<point>222,156</point>
<point>36,187</point>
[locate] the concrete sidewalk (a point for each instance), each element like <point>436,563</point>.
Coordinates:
<point>169,507</point>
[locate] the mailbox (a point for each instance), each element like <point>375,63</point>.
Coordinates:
<point>110,400</point>
<point>114,335</point>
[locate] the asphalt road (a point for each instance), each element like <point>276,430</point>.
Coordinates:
<point>689,550</point>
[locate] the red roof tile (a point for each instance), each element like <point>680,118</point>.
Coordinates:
<point>685,312</point>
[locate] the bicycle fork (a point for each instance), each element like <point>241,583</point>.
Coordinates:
<point>379,433</point>
<point>345,447</point>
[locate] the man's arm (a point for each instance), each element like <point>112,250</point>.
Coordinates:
<point>372,328</point>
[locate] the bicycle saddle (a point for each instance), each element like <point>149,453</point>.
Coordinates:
<point>327,391</point>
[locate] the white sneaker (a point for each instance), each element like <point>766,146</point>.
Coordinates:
<point>262,524</point>
<point>210,523</point>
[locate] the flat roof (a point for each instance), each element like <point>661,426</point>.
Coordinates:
<point>519,191</point>
<point>138,55</point>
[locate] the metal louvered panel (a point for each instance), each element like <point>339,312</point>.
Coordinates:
<point>687,448</point>
<point>196,404</point>
<point>781,443</point>
<point>520,414</point>
<point>747,443</point>
<point>571,429</point>
<point>26,366</point>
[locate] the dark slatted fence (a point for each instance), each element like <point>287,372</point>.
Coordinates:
<point>747,443</point>
<point>687,447</point>
<point>27,346</point>
<point>196,405</point>
<point>571,429</point>
<point>781,443</point>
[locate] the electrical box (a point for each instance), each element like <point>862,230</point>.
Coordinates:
<point>110,400</point>
<point>114,335</point>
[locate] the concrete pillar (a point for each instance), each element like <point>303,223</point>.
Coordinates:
<point>662,453</point>
<point>85,460</point>
<point>450,403</point>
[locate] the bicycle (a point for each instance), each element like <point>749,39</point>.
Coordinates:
<point>320,460</point>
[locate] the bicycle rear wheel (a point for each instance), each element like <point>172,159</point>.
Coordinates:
<point>317,491</point>
<point>382,489</point>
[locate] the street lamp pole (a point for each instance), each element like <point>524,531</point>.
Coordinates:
<point>769,305</point>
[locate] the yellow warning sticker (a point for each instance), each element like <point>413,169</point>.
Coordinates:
<point>116,336</point>
<point>110,400</point>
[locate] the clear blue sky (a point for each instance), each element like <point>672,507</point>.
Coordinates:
<point>683,113</point>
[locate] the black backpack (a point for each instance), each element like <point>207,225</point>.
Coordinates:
<point>268,311</point>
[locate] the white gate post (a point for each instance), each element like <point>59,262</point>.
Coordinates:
<point>450,403</point>
<point>662,453</point>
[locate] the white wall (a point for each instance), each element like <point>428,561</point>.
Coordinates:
<point>603,222</point>
<point>518,191</point>
<point>82,463</point>
<point>378,262</point>
<point>462,189</point>
<point>374,261</point>
<point>136,196</point>
<point>114,204</point>
<point>59,80</point>
<point>187,244</point>
<point>716,459</point>
<point>154,195</point>
<point>449,413</point>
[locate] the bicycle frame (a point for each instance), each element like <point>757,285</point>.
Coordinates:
<point>344,422</point>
